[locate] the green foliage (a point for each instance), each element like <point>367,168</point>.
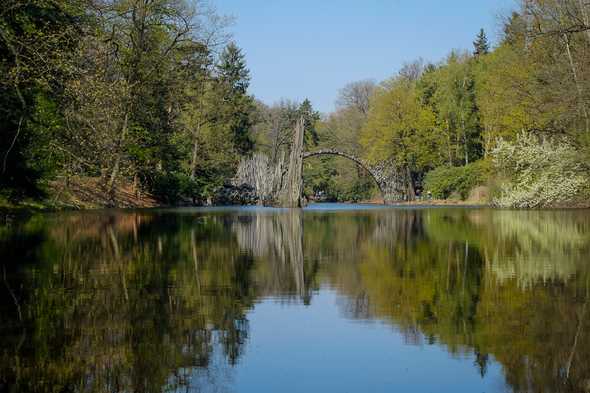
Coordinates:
<point>481,45</point>
<point>37,40</point>
<point>135,98</point>
<point>236,113</point>
<point>122,90</point>
<point>453,93</point>
<point>444,181</point>
<point>465,280</point>
<point>336,179</point>
<point>310,119</point>
<point>172,187</point>
<point>399,127</point>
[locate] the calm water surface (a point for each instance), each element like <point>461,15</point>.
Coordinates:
<point>335,298</point>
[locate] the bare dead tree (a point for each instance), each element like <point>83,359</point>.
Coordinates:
<point>357,95</point>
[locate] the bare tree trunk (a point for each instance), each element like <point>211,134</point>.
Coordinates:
<point>465,145</point>
<point>18,94</point>
<point>528,22</point>
<point>464,128</point>
<point>275,146</point>
<point>136,186</point>
<point>195,153</point>
<point>115,171</point>
<point>577,83</point>
<point>20,123</point>
<point>464,139</point>
<point>466,150</point>
<point>410,184</point>
<point>449,143</point>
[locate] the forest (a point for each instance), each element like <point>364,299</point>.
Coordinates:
<point>147,102</point>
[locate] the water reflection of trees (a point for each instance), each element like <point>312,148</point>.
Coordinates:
<point>150,302</point>
<point>124,303</point>
<point>276,240</point>
<point>449,284</point>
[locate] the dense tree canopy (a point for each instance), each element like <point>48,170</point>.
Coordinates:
<point>457,112</point>
<point>121,90</point>
<point>152,96</point>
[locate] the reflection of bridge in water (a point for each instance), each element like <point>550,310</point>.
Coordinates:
<point>469,280</point>
<point>511,245</point>
<point>291,260</point>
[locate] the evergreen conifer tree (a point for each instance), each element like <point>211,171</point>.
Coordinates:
<point>481,44</point>
<point>237,105</point>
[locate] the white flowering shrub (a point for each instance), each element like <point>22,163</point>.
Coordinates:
<point>538,172</point>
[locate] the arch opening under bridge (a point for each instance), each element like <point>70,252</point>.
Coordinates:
<point>376,176</point>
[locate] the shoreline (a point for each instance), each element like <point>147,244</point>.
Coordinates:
<point>432,202</point>
<point>9,212</point>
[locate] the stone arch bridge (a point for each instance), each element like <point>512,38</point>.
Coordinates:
<point>388,177</point>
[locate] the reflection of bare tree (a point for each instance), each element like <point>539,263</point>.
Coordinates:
<point>276,239</point>
<point>356,305</point>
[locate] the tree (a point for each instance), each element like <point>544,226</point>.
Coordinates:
<point>233,81</point>
<point>342,129</point>
<point>401,129</point>
<point>310,118</point>
<point>481,45</point>
<point>37,40</point>
<point>195,104</point>
<point>412,71</point>
<point>456,108</point>
<point>339,179</point>
<point>356,95</point>
<point>232,69</point>
<point>274,130</point>
<point>567,24</point>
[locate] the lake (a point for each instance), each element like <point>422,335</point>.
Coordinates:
<point>334,298</point>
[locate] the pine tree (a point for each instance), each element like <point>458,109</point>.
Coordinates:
<point>232,69</point>
<point>310,118</point>
<point>236,105</point>
<point>481,44</point>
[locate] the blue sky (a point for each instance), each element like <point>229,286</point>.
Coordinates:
<point>311,48</point>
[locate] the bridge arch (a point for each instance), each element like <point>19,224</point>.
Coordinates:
<point>377,177</point>
<point>386,174</point>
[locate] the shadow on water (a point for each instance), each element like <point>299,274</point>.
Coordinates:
<point>160,300</point>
